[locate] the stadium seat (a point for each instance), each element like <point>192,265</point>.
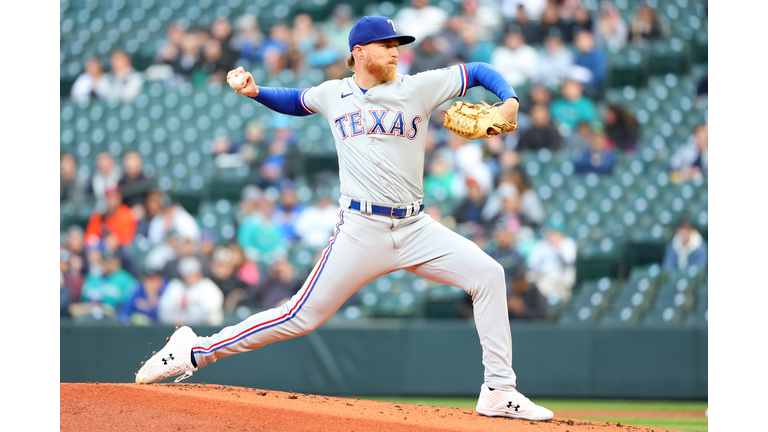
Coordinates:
<point>629,67</point>
<point>701,44</point>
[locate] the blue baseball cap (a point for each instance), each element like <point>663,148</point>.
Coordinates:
<point>375,28</point>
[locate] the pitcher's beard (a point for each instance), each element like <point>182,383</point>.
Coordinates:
<point>382,72</point>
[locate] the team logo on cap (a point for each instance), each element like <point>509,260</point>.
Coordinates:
<point>392,24</point>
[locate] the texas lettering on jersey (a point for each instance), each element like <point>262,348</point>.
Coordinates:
<point>350,124</point>
<point>380,134</point>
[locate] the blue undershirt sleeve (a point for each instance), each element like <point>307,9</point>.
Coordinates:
<point>282,100</point>
<point>485,75</point>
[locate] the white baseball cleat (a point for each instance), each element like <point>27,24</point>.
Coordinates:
<point>172,360</point>
<point>502,403</point>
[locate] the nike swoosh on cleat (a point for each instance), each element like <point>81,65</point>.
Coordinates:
<point>345,95</point>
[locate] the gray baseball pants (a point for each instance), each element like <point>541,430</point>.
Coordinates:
<point>363,248</point>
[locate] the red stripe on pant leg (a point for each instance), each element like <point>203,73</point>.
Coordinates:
<point>325,254</point>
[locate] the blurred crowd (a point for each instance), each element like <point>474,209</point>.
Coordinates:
<point>532,42</point>
<point>554,49</point>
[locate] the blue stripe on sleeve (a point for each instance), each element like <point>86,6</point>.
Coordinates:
<point>483,74</point>
<point>283,100</point>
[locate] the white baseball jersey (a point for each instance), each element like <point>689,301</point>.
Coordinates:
<point>381,135</point>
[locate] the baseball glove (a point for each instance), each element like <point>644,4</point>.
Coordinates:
<point>473,121</point>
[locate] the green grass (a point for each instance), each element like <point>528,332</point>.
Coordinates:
<point>698,424</point>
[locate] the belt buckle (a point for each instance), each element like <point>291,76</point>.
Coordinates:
<point>392,211</point>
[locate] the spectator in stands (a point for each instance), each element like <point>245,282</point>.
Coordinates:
<point>420,19</point>
<point>533,8</point>
<point>593,58</point>
<point>134,185</point>
<point>509,160</point>
<point>450,41</point>
<point>621,127</point>
<point>321,54</point>
<point>107,175</point>
<point>541,134</point>
<point>303,32</point>
<point>483,18</point>
<point>77,250</point>
<point>250,203</point>
<point>86,85</point>
<point>582,21</point>
<point>278,287</point>
<point>510,217</point>
<point>468,162</point>
<point>287,211</point>
<point>248,37</point>
<point>127,261</point>
<point>224,154</point>
<point>123,82</point>
<point>294,60</point>
<point>184,247</point>
<point>573,107</point>
<point>337,28</point>
<point>142,308</point>
<point>532,32</point>
<point>72,187</point>
<point>64,298</point>
<point>516,61</point>
<point>245,269</point>
<point>555,61</point>
<point>687,248</point>
<point>275,48</point>
<point>531,210</point>
<point>192,299</point>
<point>691,159</point>
<point>114,216</point>
<point>568,8</point>
<point>475,49</point>
<point>581,140</point>
<point>600,159</point>
<point>172,218</point>
<point>470,209</point>
<point>153,205</point>
<point>107,284</point>
<point>551,20</point>
<point>272,169</point>
<point>252,145</point>
<point>259,236</point>
<point>552,262</point>
<point>647,25</point>
<point>315,225</point>
<point>611,32</point>
<point>203,35</point>
<point>188,57</point>
<point>524,300</point>
<point>221,30</point>
<point>171,47</point>
<point>207,244</point>
<point>223,275</point>
<point>70,266</point>
<point>504,250</point>
<point>441,181</point>
<point>428,57</point>
<point>539,95</point>
<point>212,67</point>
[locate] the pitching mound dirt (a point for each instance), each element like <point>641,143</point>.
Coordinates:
<point>129,407</point>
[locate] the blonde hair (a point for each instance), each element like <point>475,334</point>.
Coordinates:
<point>351,62</point>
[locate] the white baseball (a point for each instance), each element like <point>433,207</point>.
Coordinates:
<point>238,81</point>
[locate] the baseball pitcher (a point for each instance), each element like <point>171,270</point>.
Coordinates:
<point>379,120</point>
